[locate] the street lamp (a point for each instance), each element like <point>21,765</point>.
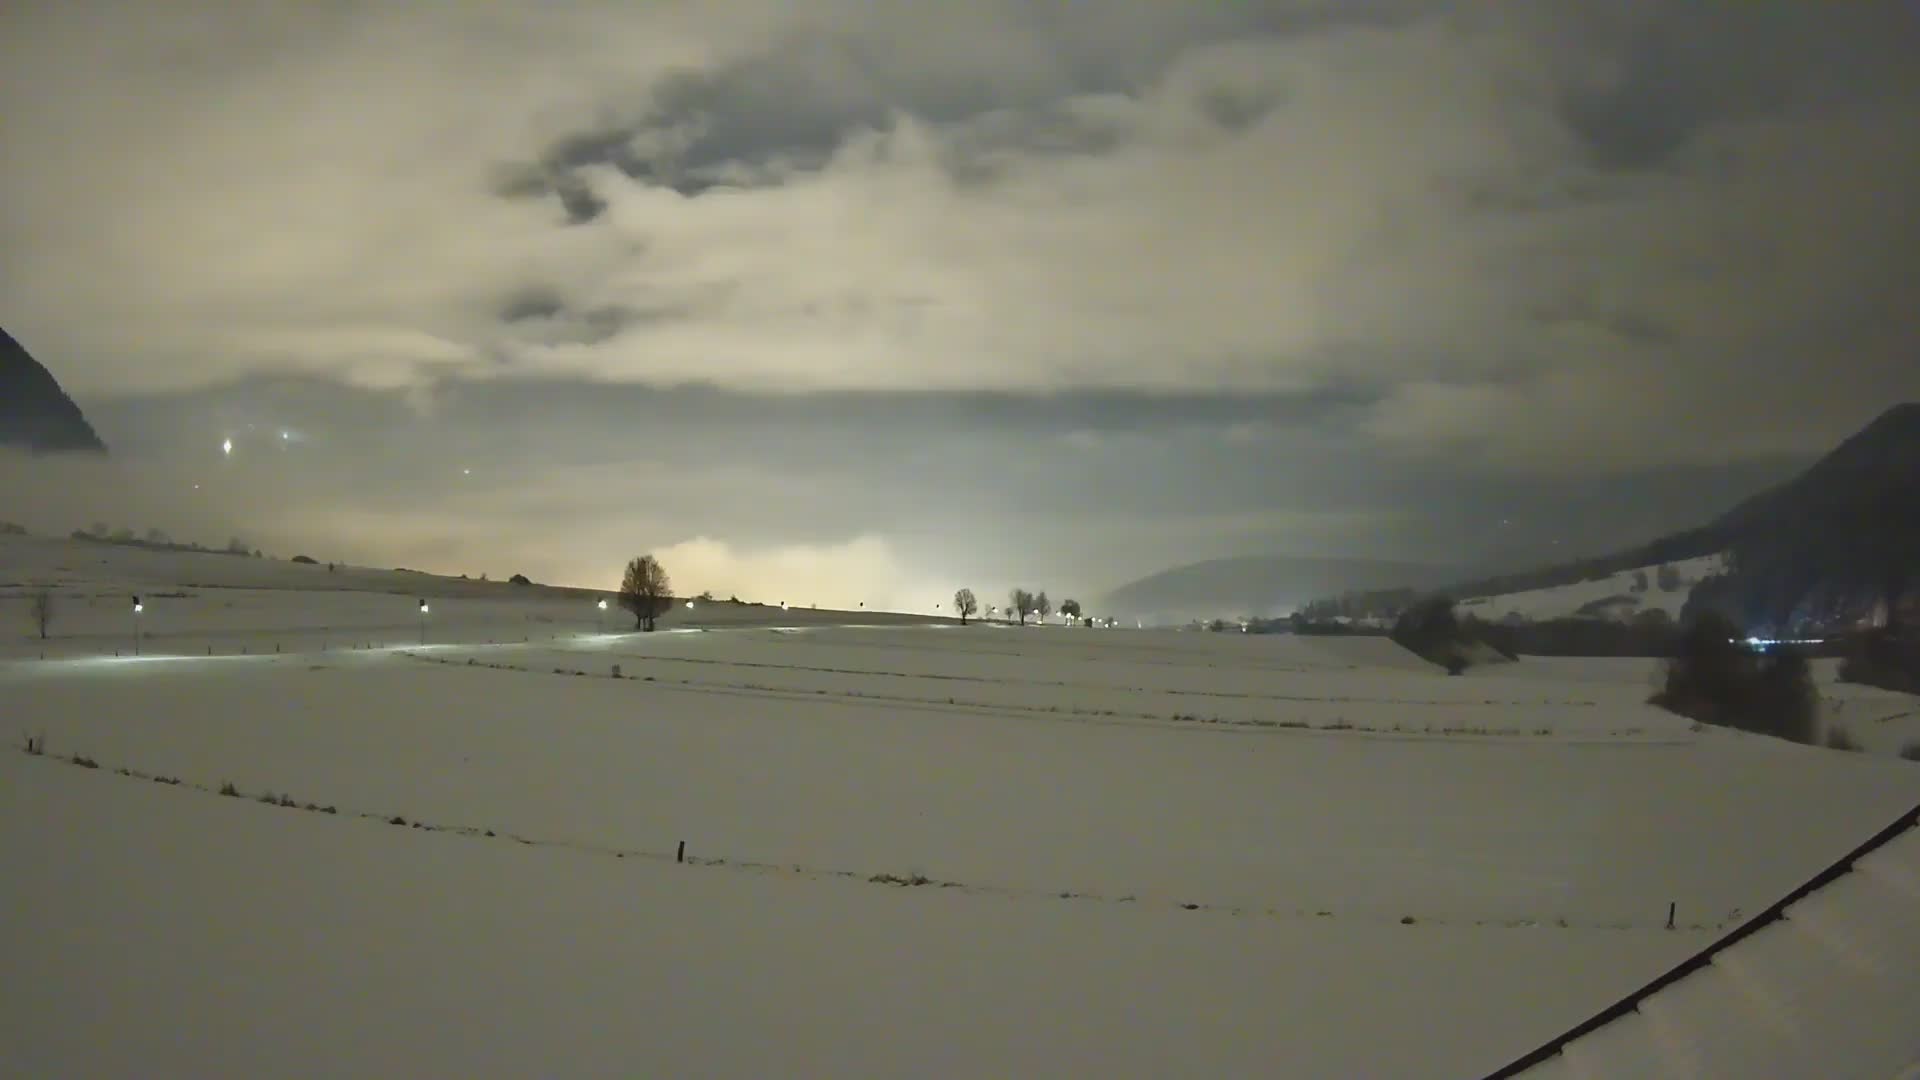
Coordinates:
<point>600,618</point>
<point>138,607</point>
<point>423,622</point>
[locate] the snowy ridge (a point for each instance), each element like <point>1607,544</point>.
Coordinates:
<point>1618,596</point>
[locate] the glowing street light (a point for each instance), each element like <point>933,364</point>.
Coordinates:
<point>226,447</point>
<point>600,623</point>
<point>689,605</point>
<point>138,607</point>
<point>423,622</point>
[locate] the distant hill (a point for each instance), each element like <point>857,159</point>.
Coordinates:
<point>1828,546</point>
<point>35,414</point>
<point>1257,585</point>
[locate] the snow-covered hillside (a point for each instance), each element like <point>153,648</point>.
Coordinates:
<point>214,604</point>
<point>909,849</point>
<point>1618,596</point>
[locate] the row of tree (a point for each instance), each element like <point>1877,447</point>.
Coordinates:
<point>1021,603</point>
<point>158,539</point>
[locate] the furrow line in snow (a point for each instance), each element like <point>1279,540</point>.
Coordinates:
<point>907,881</point>
<point>1624,736</point>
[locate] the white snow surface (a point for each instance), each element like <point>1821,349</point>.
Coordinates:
<point>1566,601</point>
<point>913,849</point>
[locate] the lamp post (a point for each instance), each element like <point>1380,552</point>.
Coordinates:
<point>138,607</point>
<point>600,616</point>
<point>423,622</point>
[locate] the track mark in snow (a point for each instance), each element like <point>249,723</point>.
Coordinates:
<point>1055,684</point>
<point>1636,736</point>
<point>914,879</point>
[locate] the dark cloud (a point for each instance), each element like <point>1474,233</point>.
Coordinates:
<point>532,304</point>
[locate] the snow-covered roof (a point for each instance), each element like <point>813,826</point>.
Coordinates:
<point>1825,983</point>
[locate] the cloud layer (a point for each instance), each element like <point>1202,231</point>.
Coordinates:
<point>1571,235</point>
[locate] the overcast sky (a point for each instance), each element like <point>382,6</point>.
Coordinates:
<point>875,299</point>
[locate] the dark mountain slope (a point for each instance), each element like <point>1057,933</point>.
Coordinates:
<point>35,414</point>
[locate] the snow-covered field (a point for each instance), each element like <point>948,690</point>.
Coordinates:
<point>910,849</point>
<point>1618,596</point>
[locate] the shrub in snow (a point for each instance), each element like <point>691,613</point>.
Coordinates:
<point>1714,679</point>
<point>1839,739</point>
<point>306,560</point>
<point>1431,630</point>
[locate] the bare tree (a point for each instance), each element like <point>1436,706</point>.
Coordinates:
<point>965,603</point>
<point>1042,606</point>
<point>1020,601</point>
<point>645,591</point>
<point>42,608</point>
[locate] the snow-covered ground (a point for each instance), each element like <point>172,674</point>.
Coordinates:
<point>1631,592</point>
<point>911,849</point>
<point>211,604</point>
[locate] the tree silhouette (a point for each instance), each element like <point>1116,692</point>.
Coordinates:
<point>645,591</point>
<point>966,604</point>
<point>1021,601</point>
